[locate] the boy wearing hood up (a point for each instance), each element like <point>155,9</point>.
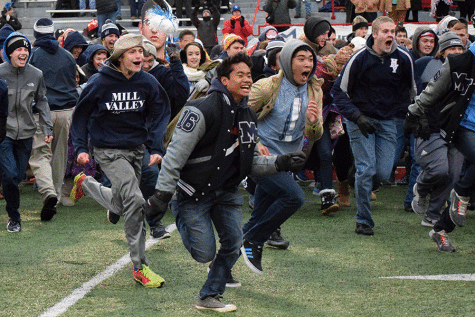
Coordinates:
<point>211,151</point>
<point>48,161</point>
<point>316,33</point>
<point>376,84</point>
<point>289,106</point>
<point>425,43</point>
<point>113,109</point>
<point>26,86</point>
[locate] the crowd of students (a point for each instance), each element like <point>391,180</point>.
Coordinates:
<point>141,124</point>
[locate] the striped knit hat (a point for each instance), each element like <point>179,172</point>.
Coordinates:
<point>230,39</point>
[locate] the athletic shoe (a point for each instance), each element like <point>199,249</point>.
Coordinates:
<point>159,232</point>
<point>458,208</point>
<point>213,303</point>
<point>364,229</point>
<point>252,255</point>
<point>76,192</point>
<point>147,278</point>
<point>328,201</point>
<point>301,177</point>
<point>442,240</point>
<point>428,222</point>
<point>49,208</point>
<point>373,196</point>
<point>230,281</point>
<point>418,202</point>
<point>316,191</point>
<point>112,217</point>
<point>276,240</point>
<point>13,226</point>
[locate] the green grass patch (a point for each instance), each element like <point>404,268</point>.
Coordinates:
<point>327,271</point>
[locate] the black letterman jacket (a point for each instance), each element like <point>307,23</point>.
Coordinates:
<point>449,93</point>
<point>213,146</point>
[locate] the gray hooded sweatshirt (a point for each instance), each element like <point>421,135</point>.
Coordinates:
<point>282,129</point>
<point>415,51</point>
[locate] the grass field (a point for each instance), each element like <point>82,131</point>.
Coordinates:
<point>327,271</point>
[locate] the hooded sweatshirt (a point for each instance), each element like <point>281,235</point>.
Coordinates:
<point>114,109</point>
<point>75,39</point>
<point>25,86</point>
<point>89,53</point>
<point>59,72</point>
<point>415,51</point>
<point>282,129</point>
<point>377,86</point>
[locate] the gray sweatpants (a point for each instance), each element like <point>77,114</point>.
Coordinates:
<point>123,167</point>
<point>441,164</point>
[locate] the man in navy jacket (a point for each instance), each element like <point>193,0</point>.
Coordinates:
<point>376,84</point>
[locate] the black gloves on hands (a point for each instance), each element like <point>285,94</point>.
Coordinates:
<point>418,126</point>
<point>233,23</point>
<point>156,206</point>
<point>290,162</point>
<point>173,53</point>
<point>241,19</point>
<point>365,125</point>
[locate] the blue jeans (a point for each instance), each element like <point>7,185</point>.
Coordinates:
<point>194,221</point>
<point>276,198</point>
<point>308,7</point>
<point>101,18</point>
<point>373,161</point>
<point>136,8</point>
<point>15,155</point>
<point>465,142</point>
<point>82,4</point>
<point>415,168</point>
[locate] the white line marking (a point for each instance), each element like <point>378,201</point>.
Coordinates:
<point>85,288</point>
<point>444,277</point>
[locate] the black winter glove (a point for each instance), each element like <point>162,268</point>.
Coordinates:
<point>290,162</point>
<point>156,206</point>
<point>3,128</point>
<point>365,125</point>
<point>233,22</point>
<point>241,19</point>
<point>418,126</point>
<point>173,53</point>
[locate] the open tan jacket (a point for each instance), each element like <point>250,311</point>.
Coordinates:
<point>366,5</point>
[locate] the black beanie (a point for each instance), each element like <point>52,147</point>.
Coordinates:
<point>16,42</point>
<point>314,27</point>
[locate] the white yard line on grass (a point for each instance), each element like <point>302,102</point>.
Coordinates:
<point>443,277</point>
<point>85,288</point>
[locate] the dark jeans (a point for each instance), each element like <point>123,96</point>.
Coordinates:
<point>195,220</point>
<point>464,142</point>
<point>276,198</point>
<point>136,8</point>
<point>15,155</point>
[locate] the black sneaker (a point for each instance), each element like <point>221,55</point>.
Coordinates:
<point>159,232</point>
<point>113,217</point>
<point>428,222</point>
<point>13,226</point>
<point>276,241</point>
<point>49,208</point>
<point>252,255</point>
<point>364,229</point>
<point>213,303</point>
<point>442,240</point>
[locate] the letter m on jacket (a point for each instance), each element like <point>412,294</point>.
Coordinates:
<point>461,82</point>
<point>248,131</point>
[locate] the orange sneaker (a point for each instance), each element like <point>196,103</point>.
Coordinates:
<point>76,192</point>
